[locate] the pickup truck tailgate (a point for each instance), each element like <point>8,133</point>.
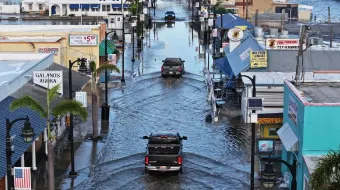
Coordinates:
<point>163,160</point>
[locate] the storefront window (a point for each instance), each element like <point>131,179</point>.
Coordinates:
<point>273,131</point>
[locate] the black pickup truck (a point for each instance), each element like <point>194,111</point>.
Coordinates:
<point>164,152</point>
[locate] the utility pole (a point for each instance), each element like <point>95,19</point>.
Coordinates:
<point>247,10</point>
<point>257,17</point>
<point>283,18</point>
<point>302,37</point>
<point>331,37</point>
<point>329,15</point>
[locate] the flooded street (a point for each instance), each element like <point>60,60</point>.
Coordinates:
<point>215,155</point>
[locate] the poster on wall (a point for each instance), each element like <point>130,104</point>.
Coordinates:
<point>83,40</point>
<point>292,110</point>
<point>282,44</point>
<point>49,50</point>
<point>48,79</point>
<point>258,59</point>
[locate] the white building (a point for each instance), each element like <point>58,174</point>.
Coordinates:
<point>85,7</point>
<point>9,8</point>
<point>34,5</point>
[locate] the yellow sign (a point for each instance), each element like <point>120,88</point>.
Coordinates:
<point>241,27</point>
<point>258,59</point>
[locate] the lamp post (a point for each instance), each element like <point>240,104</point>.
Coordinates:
<point>27,134</point>
<point>82,71</point>
<point>214,28</point>
<point>105,106</point>
<point>221,33</point>
<point>123,43</point>
<point>133,41</point>
<point>239,89</point>
<point>149,25</point>
<point>268,178</point>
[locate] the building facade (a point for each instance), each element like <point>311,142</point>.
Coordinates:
<point>68,42</point>
<point>85,7</point>
<point>311,125</point>
<point>9,9</point>
<point>34,5</point>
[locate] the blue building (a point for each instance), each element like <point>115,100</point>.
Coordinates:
<point>310,125</point>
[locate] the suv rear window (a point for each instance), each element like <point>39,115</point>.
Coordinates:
<point>170,13</point>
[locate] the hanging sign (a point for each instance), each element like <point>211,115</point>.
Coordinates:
<point>282,44</point>
<point>235,34</point>
<point>258,59</point>
<point>292,110</point>
<point>48,79</point>
<point>82,98</point>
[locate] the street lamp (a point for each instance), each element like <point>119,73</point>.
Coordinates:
<point>270,178</point>
<point>28,137</point>
<point>149,24</point>
<point>239,87</point>
<point>133,24</point>
<point>82,71</point>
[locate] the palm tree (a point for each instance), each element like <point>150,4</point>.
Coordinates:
<point>95,72</point>
<point>62,108</point>
<point>327,173</point>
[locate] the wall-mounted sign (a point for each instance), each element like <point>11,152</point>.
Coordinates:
<point>258,59</point>
<point>265,146</point>
<point>48,79</point>
<point>292,110</point>
<point>235,34</point>
<point>49,50</point>
<point>244,55</point>
<point>83,40</point>
<point>282,44</point>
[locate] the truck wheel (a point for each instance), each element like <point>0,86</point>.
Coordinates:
<point>181,171</point>
<point>146,170</point>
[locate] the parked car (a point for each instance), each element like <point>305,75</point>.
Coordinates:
<point>164,152</point>
<point>172,67</point>
<point>170,16</point>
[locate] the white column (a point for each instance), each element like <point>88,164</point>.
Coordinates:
<point>23,160</point>
<point>6,184</point>
<point>34,161</point>
<point>45,139</point>
<point>49,10</point>
<point>61,9</point>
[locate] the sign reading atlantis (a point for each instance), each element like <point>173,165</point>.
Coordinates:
<point>49,79</point>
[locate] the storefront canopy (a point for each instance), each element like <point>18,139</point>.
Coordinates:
<point>238,60</point>
<point>111,47</point>
<point>231,21</point>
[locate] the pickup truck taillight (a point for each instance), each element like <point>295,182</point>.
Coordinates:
<point>180,68</point>
<point>162,68</point>
<point>179,160</point>
<point>146,160</point>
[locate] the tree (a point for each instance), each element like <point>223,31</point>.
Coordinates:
<point>327,173</point>
<point>95,72</point>
<point>62,108</point>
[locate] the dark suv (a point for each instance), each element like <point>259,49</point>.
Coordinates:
<point>164,152</point>
<point>172,67</point>
<point>170,16</point>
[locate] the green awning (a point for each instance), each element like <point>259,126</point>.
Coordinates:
<point>111,47</point>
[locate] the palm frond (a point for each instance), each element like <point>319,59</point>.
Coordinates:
<point>327,172</point>
<point>53,92</point>
<point>107,66</point>
<point>70,106</point>
<point>28,102</point>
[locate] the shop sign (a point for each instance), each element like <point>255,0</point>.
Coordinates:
<point>83,40</point>
<point>292,110</point>
<point>48,79</point>
<point>245,54</point>
<point>258,59</point>
<point>235,34</point>
<point>282,44</point>
<point>49,50</point>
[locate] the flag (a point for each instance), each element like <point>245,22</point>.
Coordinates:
<point>22,178</point>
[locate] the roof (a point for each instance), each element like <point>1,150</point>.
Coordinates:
<point>320,92</point>
<point>15,67</point>
<point>230,21</point>
<point>239,59</point>
<point>52,28</point>
<point>165,133</point>
<point>311,162</point>
<point>30,39</point>
<point>39,93</point>
<point>20,146</point>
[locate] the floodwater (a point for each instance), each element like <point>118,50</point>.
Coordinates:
<point>216,156</point>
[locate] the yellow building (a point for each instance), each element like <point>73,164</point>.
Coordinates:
<point>69,42</point>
